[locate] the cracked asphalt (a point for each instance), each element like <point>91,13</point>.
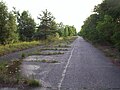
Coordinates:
<point>83,67</point>
<point>89,69</point>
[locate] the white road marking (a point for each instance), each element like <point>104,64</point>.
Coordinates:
<point>64,71</point>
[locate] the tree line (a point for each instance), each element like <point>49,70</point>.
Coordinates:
<point>16,26</point>
<point>103,26</point>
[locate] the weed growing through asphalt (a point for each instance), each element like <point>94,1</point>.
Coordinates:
<point>45,61</point>
<point>55,49</point>
<point>47,53</point>
<point>10,75</point>
<point>23,55</point>
<point>34,83</point>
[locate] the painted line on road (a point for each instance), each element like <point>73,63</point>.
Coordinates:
<point>64,71</point>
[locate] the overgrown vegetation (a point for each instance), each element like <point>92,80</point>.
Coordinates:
<point>103,27</point>
<point>34,83</point>
<point>8,48</point>
<point>46,53</point>
<point>10,75</point>
<point>16,26</point>
<point>19,31</point>
<point>45,61</point>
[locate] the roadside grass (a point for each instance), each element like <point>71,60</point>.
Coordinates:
<point>61,42</point>
<point>110,52</point>
<point>10,75</point>
<point>17,47</point>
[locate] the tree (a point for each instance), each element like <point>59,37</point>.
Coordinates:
<point>3,22</point>
<point>72,31</point>
<point>61,28</point>
<point>11,28</point>
<point>26,26</point>
<point>8,27</point>
<point>104,26</point>
<point>47,25</point>
<point>66,32</point>
<point>105,29</point>
<point>88,30</point>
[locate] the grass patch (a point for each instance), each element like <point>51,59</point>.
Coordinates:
<point>45,61</point>
<point>110,52</point>
<point>10,75</point>
<point>47,53</point>
<point>63,46</point>
<point>9,48</point>
<point>34,83</point>
<point>17,47</point>
<point>55,49</point>
<point>10,72</point>
<point>23,55</point>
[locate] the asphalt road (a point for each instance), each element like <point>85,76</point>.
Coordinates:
<point>83,67</point>
<point>89,69</point>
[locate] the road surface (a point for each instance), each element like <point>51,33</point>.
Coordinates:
<point>89,69</point>
<point>83,67</point>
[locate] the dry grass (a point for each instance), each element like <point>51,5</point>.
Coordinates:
<point>17,47</point>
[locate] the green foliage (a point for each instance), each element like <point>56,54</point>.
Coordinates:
<point>103,27</point>
<point>88,30</point>
<point>47,25</point>
<point>16,26</point>
<point>26,26</point>
<point>12,35</point>
<point>69,31</point>
<point>8,72</point>
<point>17,46</point>
<point>8,28</point>
<point>34,83</point>
<point>66,33</point>
<point>23,55</point>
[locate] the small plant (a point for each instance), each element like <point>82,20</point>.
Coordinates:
<point>55,49</point>
<point>54,61</point>
<point>44,61</point>
<point>5,49</point>
<point>34,83</point>
<point>49,61</point>
<point>23,55</point>
<point>64,46</point>
<point>10,72</point>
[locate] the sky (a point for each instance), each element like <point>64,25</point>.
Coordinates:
<point>70,12</point>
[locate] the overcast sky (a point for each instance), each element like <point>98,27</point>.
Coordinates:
<point>70,12</point>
